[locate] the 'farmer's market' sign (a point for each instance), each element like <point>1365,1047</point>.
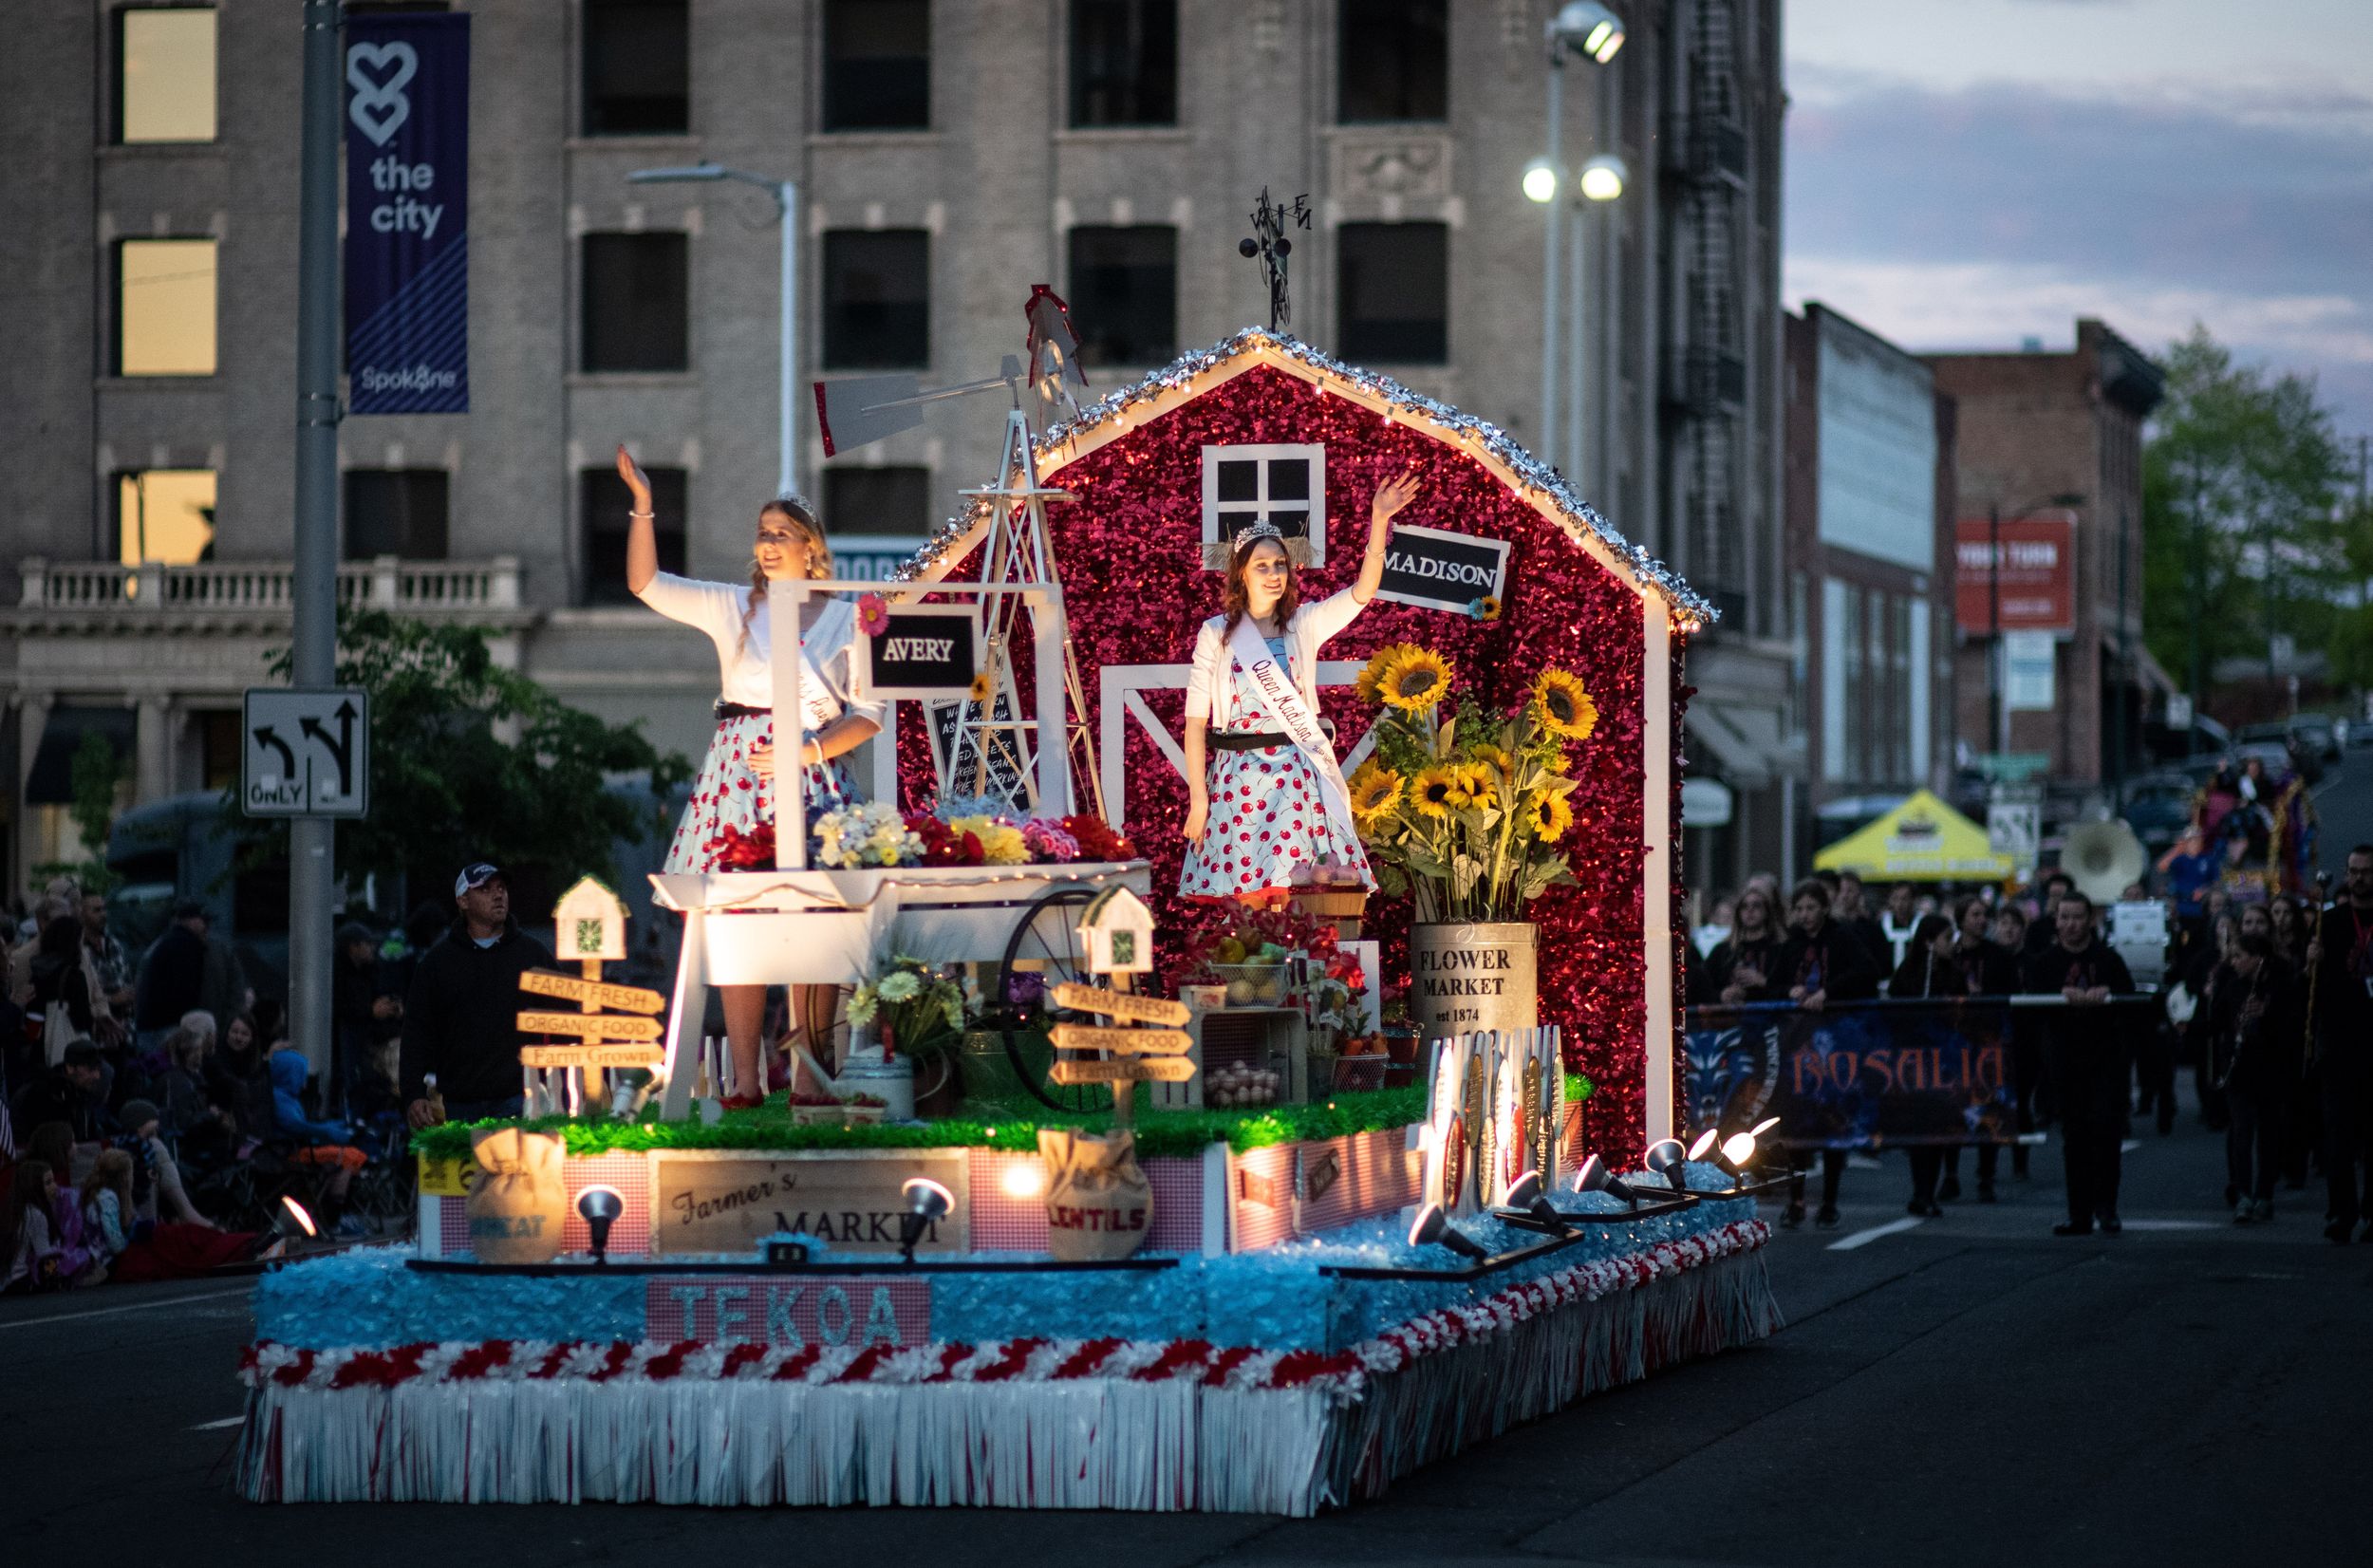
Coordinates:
<point>712,1202</point>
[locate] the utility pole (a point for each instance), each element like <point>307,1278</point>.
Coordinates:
<point>2199,593</point>
<point>2119,672</point>
<point>1995,716</point>
<point>314,590</point>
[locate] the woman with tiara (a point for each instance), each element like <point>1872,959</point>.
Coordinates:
<point>1265,791</point>
<point>732,799</point>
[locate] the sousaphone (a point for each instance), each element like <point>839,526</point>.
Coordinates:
<point>2103,859</point>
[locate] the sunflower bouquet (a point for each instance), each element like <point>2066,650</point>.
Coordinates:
<point>1466,813</point>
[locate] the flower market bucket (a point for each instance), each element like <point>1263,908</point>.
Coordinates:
<point>1462,979</point>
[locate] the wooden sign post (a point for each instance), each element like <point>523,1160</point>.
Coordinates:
<point>1116,933</point>
<point>590,926</point>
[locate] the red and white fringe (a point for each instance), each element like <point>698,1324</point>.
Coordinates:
<point>1025,1422</point>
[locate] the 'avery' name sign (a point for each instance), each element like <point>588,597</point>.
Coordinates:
<point>922,651</point>
<point>851,1204</point>
<point>767,1309</point>
<point>1437,569</point>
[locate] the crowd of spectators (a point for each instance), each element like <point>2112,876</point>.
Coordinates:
<point>2269,1003</point>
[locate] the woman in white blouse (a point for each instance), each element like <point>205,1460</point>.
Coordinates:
<point>733,798</point>
<point>1265,792</point>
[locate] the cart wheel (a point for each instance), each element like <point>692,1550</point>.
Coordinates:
<point>1043,939</point>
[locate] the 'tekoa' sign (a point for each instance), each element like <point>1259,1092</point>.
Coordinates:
<point>760,1309</point>
<point>922,651</point>
<point>1436,570</point>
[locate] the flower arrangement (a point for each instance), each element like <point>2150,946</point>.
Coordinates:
<point>851,837</point>
<point>965,833</point>
<point>918,1010</point>
<point>1466,815</point>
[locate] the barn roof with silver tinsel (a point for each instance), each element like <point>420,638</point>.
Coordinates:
<point>1578,516</point>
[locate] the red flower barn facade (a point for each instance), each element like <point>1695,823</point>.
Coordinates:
<point>1131,552</point>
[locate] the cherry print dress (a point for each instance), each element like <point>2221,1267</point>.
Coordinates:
<point>1268,813</point>
<point>730,802</point>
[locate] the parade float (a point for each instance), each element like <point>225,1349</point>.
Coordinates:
<point>1192,1234</point>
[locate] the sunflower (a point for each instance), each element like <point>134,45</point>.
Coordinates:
<point>1484,609</point>
<point>1478,780</point>
<point>1374,790</point>
<point>980,688</point>
<point>1492,756</point>
<point>1418,679</point>
<point>1436,791</point>
<point>1567,711</point>
<point>1372,674</point>
<point>1551,816</point>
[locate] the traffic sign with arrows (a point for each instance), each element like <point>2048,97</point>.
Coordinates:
<point>305,752</point>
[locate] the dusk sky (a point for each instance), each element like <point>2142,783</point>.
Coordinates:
<point>1969,173</point>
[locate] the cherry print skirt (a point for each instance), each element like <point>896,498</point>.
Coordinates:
<point>1267,816</point>
<point>729,801</point>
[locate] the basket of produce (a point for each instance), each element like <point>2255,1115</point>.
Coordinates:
<point>1258,984</point>
<point>824,1111</point>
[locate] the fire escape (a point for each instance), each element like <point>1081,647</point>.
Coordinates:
<point>1707,161</point>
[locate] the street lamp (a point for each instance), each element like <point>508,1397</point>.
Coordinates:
<point>1592,31</point>
<point>1598,182</point>
<point>786,194</point>
<point>1999,714</point>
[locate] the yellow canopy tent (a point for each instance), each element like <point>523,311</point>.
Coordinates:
<point>1922,840</point>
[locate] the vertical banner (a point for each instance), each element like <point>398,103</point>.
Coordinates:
<point>407,208</point>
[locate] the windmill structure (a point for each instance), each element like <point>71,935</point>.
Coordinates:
<point>985,746</point>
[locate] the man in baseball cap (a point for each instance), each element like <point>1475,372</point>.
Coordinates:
<point>460,1015</point>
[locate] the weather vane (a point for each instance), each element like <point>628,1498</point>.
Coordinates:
<point>1267,241</point>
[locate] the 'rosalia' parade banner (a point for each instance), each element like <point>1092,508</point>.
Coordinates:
<point>1857,1075</point>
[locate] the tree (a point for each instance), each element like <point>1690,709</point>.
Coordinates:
<point>94,775</point>
<point>471,761</point>
<point>2243,535</point>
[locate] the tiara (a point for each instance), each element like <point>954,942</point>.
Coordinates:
<point>1253,532</point>
<point>792,497</point>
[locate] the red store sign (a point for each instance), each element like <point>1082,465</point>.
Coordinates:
<point>2038,591</point>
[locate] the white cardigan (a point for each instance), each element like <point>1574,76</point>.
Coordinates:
<point>745,667</point>
<point>1208,687</point>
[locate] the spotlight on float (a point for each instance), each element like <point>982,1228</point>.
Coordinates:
<point>1763,1127</point>
<point>927,1202</point>
<point>598,1207</point>
<point>1704,1141</point>
<point>1738,1152</point>
<point>1604,177</point>
<point>1433,1228</point>
<point>1587,26</point>
<point>292,1222</point>
<point>1526,1194</point>
<point>1541,181</point>
<point>1596,1177</point>
<point>1668,1159</point>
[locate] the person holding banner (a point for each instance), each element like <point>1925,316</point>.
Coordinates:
<point>2085,1057</point>
<point>1822,962</point>
<point>1265,792</point>
<point>729,822</point>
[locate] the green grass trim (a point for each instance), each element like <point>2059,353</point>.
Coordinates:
<point>1169,1133</point>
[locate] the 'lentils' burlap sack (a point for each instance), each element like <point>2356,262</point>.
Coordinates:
<point>519,1204</point>
<point>1098,1203</point>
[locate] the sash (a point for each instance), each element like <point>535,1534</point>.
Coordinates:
<point>1284,702</point>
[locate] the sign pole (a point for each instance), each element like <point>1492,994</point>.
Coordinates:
<point>313,588</point>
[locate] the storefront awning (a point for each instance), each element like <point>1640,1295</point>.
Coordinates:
<point>1724,735</point>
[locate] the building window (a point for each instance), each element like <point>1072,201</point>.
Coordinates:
<point>877,299</point>
<point>603,497</point>
<point>165,307</point>
<point>1124,292</point>
<point>878,65</point>
<point>638,67</point>
<point>1395,59</point>
<point>219,747</point>
<point>166,514</point>
<point>877,502</point>
<point>1124,62</point>
<point>637,308</point>
<point>165,75</point>
<point>1393,280</point>
<point>398,512</point>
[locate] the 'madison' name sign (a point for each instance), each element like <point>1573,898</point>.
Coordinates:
<point>1437,569</point>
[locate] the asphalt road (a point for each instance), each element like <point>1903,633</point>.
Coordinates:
<point>1967,1389</point>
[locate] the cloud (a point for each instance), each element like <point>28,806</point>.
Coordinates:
<point>1980,215</point>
